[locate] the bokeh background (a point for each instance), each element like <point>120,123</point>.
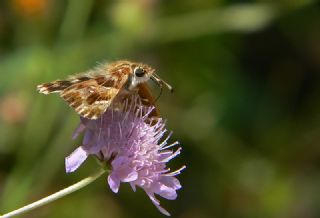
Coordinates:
<point>245,108</point>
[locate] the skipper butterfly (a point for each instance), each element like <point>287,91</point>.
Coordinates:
<point>92,92</point>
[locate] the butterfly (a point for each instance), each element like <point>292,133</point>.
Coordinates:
<point>92,92</point>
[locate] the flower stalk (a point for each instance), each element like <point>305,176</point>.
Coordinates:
<point>79,185</point>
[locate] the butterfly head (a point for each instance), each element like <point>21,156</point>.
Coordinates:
<point>142,73</point>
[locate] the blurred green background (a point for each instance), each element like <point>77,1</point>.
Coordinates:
<point>245,108</point>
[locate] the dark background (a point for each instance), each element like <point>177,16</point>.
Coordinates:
<point>245,108</point>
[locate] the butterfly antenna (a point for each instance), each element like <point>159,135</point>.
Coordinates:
<point>161,82</point>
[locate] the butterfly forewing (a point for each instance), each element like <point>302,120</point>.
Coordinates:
<point>89,95</point>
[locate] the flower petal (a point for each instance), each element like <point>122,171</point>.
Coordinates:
<point>162,210</point>
<point>171,181</point>
<point>88,137</point>
<point>133,175</point>
<point>79,130</point>
<point>133,186</point>
<point>119,161</point>
<point>75,159</point>
<point>114,182</point>
<point>164,191</point>
<point>157,203</point>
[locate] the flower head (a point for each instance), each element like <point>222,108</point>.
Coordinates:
<point>129,140</point>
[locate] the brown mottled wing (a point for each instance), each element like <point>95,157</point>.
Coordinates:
<point>54,87</point>
<point>90,97</point>
<point>60,85</point>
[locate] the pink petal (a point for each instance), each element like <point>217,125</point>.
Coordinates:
<point>133,186</point>
<point>171,181</point>
<point>162,210</point>
<point>88,137</point>
<point>75,159</point>
<point>79,130</point>
<point>157,203</point>
<point>119,161</point>
<point>133,175</point>
<point>114,182</point>
<point>165,191</point>
<point>152,197</point>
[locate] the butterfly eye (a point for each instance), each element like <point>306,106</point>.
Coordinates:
<point>139,72</point>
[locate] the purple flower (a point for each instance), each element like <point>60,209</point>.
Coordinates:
<point>128,140</point>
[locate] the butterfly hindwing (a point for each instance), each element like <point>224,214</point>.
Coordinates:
<point>88,98</point>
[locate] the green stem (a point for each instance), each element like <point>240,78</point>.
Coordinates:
<point>55,196</point>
